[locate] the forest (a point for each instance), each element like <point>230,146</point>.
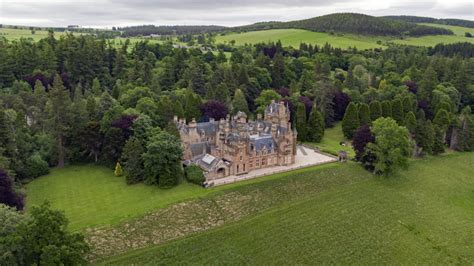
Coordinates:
<point>443,21</point>
<point>78,99</point>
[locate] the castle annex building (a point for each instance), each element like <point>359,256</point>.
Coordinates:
<point>237,146</point>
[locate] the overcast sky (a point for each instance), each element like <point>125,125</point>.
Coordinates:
<point>108,13</point>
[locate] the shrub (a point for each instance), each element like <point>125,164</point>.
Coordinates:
<point>36,166</point>
<point>194,174</point>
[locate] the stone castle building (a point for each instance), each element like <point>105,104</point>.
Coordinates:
<point>235,146</point>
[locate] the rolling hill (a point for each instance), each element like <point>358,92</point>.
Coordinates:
<point>352,23</point>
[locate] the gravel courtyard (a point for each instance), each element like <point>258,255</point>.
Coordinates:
<point>304,157</point>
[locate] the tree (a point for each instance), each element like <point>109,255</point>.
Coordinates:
<point>386,109</point>
<point>194,174</point>
<point>362,137</point>
<point>240,103</point>
<point>133,161</point>
<point>214,109</point>
<point>45,240</point>
<point>36,166</point>
<point>162,160</point>
<point>442,119</point>
<point>410,122</point>
<point>59,113</point>
<point>350,122</point>
<point>96,87</point>
<point>392,146</point>
<point>424,136</point>
<point>397,111</point>
<point>265,98</point>
<point>118,169</point>
<point>375,110</point>
<point>9,241</point>
<point>301,121</point>
<point>438,143</point>
<point>8,195</point>
<point>364,114</point>
<point>315,129</point>
<point>278,71</point>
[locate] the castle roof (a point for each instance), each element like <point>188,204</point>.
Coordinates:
<point>274,107</point>
<point>262,141</point>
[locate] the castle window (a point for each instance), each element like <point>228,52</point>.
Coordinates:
<point>241,157</point>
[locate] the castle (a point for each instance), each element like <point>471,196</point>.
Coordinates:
<point>237,146</point>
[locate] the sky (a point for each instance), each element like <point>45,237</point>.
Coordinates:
<point>108,13</point>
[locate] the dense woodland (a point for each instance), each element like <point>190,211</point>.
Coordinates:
<point>333,23</point>
<point>167,30</point>
<point>352,23</point>
<point>443,21</point>
<point>79,99</point>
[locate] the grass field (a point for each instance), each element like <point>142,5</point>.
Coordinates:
<point>16,34</point>
<point>341,215</point>
<point>331,142</point>
<point>93,196</point>
<point>293,37</point>
<point>432,40</point>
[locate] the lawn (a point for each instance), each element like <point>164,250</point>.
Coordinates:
<point>294,37</point>
<point>331,142</point>
<point>93,196</point>
<point>342,215</point>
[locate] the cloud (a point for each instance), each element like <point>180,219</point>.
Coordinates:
<point>108,13</point>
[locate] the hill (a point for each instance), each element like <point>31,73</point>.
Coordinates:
<point>442,21</point>
<point>336,215</point>
<point>351,23</point>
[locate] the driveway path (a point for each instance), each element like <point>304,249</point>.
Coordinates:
<point>305,157</point>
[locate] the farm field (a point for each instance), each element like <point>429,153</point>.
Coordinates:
<point>432,40</point>
<point>424,215</point>
<point>16,34</point>
<point>293,37</point>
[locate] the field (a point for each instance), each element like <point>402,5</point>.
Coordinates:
<point>293,37</point>
<point>340,215</point>
<point>16,34</point>
<point>432,40</point>
<point>93,196</point>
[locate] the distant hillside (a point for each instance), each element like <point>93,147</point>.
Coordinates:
<point>352,23</point>
<point>145,30</point>
<point>448,21</point>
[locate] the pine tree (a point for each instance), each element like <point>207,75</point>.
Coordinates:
<point>438,144</point>
<point>278,71</point>
<point>408,104</point>
<point>386,109</point>
<point>442,119</point>
<point>364,114</point>
<point>410,122</point>
<point>133,161</point>
<point>59,105</point>
<point>118,169</point>
<point>240,103</point>
<point>375,110</point>
<point>425,136</point>
<point>315,125</point>
<point>301,121</point>
<point>350,122</point>
<point>428,83</point>
<point>397,111</point>
<point>96,87</point>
